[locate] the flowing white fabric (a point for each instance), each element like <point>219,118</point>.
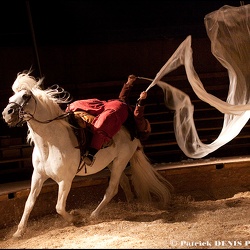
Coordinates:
<point>228,29</point>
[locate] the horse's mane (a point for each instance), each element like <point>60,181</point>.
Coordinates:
<point>50,98</point>
<point>25,81</point>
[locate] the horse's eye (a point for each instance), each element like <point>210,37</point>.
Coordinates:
<point>26,96</point>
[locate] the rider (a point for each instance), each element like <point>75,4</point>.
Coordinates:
<point>109,117</point>
<point>143,127</point>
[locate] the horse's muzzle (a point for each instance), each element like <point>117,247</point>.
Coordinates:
<point>11,115</point>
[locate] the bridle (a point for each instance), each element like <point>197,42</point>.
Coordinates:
<point>23,114</point>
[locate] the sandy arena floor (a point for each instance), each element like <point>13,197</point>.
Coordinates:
<point>186,223</point>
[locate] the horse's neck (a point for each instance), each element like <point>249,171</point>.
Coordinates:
<point>53,133</point>
<point>41,126</point>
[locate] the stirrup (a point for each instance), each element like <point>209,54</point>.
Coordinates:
<point>89,159</point>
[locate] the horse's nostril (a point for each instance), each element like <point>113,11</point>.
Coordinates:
<point>10,111</point>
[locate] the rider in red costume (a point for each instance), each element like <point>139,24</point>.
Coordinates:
<point>110,116</point>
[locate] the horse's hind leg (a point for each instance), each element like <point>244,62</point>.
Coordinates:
<point>36,186</point>
<point>111,191</point>
<point>125,185</point>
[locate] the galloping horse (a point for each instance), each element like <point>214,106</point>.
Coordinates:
<point>56,156</point>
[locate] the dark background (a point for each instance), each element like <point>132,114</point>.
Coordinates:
<point>73,23</point>
<point>91,21</point>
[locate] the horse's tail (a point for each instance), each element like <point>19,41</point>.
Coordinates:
<point>147,181</point>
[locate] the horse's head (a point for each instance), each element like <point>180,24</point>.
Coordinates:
<point>18,109</point>
<point>30,102</point>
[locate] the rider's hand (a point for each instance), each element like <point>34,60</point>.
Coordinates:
<point>143,95</point>
<point>131,79</point>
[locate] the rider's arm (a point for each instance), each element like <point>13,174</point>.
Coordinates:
<point>124,94</point>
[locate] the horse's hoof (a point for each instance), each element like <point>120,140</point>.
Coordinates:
<point>75,213</point>
<point>77,218</point>
<point>17,235</point>
<point>93,216</point>
<point>80,223</point>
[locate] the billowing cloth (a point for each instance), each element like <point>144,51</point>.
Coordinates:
<point>109,117</point>
<point>228,28</point>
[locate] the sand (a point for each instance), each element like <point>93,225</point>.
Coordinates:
<point>186,223</point>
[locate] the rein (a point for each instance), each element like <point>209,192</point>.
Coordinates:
<point>47,121</point>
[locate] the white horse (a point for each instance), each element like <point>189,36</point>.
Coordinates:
<point>55,154</point>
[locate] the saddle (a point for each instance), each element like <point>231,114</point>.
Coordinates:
<point>80,121</point>
<point>83,118</point>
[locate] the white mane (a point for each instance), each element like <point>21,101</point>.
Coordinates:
<point>25,82</point>
<point>49,97</point>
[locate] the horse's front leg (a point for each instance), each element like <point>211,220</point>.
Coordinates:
<point>63,191</point>
<point>36,186</point>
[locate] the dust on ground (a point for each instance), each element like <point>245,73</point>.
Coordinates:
<point>187,223</point>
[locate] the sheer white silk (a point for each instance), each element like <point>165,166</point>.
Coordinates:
<point>228,29</point>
